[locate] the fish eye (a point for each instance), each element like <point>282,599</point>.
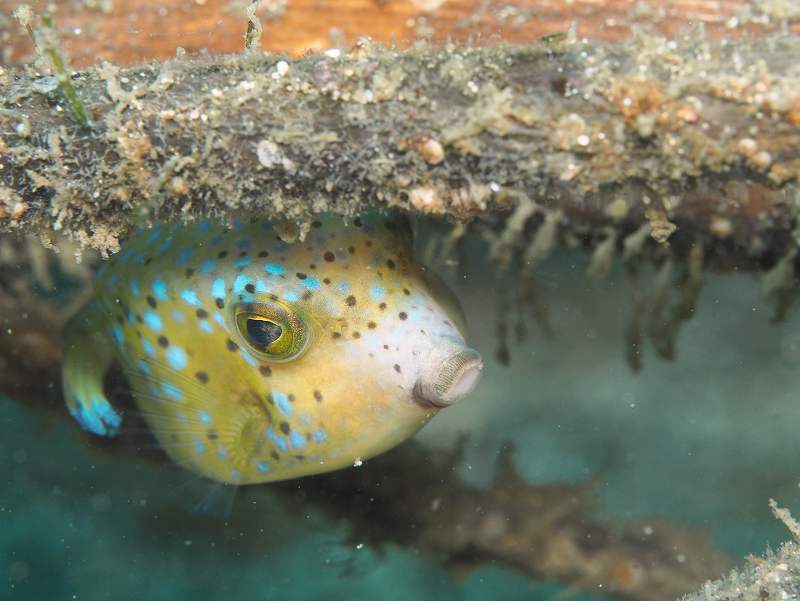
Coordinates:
<point>270,331</point>
<point>262,332</point>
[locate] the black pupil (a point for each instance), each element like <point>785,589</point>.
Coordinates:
<point>263,333</point>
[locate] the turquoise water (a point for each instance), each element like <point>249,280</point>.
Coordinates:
<point>702,441</point>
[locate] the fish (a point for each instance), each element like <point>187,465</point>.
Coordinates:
<point>252,358</point>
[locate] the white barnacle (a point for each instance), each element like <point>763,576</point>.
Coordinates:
<point>270,156</point>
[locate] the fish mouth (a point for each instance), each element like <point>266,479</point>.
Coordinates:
<point>449,380</point>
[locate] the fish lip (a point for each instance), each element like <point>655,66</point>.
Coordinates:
<point>446,383</point>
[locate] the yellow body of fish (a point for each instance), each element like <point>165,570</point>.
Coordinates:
<point>252,359</point>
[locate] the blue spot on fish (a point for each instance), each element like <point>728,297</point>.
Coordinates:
<point>177,357</point>
<point>119,335</point>
<point>190,296</point>
<point>148,348</point>
<point>239,283</point>
<point>248,358</point>
<point>291,297</point>
<point>184,256</point>
<point>282,401</point>
<point>343,287</point>
<point>171,391</point>
<point>274,269</point>
<point>178,316</point>
<point>145,367</point>
<point>153,321</point>
<point>218,288</point>
<point>263,467</point>
<point>199,446</point>
<point>204,417</point>
<point>160,290</point>
<point>242,262</point>
<point>165,246</point>
<point>219,318</point>
<point>207,266</point>
<point>319,436</point>
<point>297,439</point>
<point>377,293</point>
<point>278,440</point>
<point>107,413</point>
<point>311,283</point>
<point>205,326</point>
<point>135,290</point>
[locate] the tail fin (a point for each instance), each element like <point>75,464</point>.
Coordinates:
<point>87,356</point>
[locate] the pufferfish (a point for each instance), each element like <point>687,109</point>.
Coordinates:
<point>252,359</point>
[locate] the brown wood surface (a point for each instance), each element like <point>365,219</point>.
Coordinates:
<point>130,32</point>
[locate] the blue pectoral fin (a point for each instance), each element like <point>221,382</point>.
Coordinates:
<point>95,415</point>
<point>86,359</point>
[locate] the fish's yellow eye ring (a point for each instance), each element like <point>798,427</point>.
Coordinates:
<point>270,331</point>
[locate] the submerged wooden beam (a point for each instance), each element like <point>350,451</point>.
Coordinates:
<point>685,131</point>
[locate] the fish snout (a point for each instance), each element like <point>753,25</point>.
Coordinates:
<point>449,376</point>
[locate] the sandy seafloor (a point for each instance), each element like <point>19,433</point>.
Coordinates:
<point>702,441</point>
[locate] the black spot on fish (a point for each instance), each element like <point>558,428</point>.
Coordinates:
<point>356,335</point>
<point>162,340</point>
<point>250,288</point>
<point>382,306</point>
<point>152,302</point>
<point>202,313</point>
<point>329,256</point>
<point>351,301</point>
<point>212,435</point>
<point>275,456</point>
<point>372,325</point>
<point>301,276</point>
<point>285,428</point>
<point>219,302</point>
<point>265,370</point>
<point>232,346</point>
<point>326,281</point>
<point>263,254</point>
<point>403,315</point>
<point>318,396</point>
<point>397,368</point>
<point>202,376</point>
<point>390,264</point>
<point>189,272</point>
<point>336,335</point>
<point>406,291</point>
